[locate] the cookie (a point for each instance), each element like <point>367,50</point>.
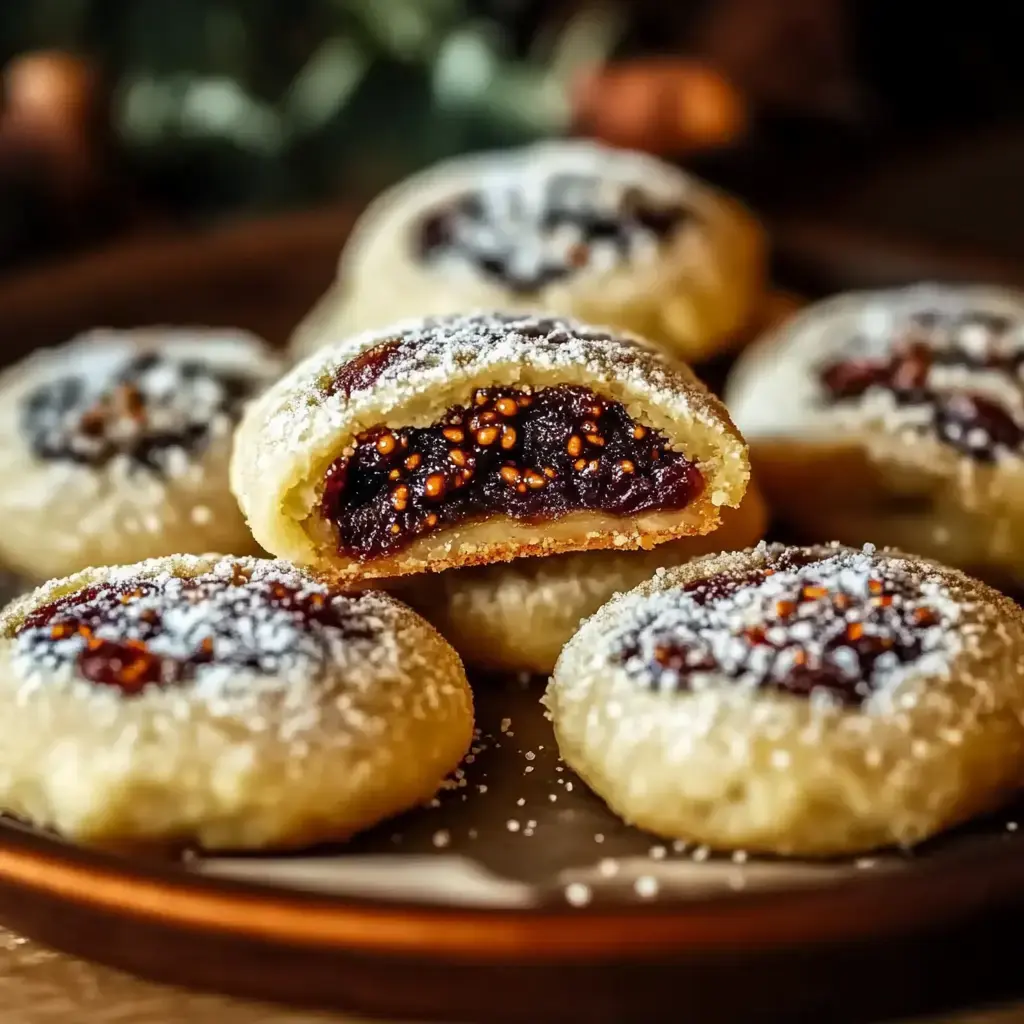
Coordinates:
<point>569,227</point>
<point>224,702</point>
<point>798,701</point>
<point>115,447</point>
<point>473,439</point>
<point>517,617</point>
<point>895,417</point>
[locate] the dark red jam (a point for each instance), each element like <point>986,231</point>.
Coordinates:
<point>838,626</point>
<point>147,408</point>
<point>971,422</point>
<point>507,235</point>
<point>365,370</point>
<point>163,631</point>
<point>717,588</point>
<point>530,455</point>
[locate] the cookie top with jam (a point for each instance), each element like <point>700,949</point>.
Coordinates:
<point>932,363</point>
<point>235,651</point>
<point>544,214</point>
<point>527,231</point>
<point>836,625</point>
<point>151,399</point>
<point>239,617</point>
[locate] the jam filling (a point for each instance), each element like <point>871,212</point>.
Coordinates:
<point>841,627</point>
<point>530,455</point>
<point>366,369</point>
<point>526,238</point>
<point>166,631</point>
<point>932,345</point>
<point>143,411</point>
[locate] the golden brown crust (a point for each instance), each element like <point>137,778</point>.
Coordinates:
<point>503,539</point>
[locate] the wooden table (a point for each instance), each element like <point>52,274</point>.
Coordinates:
<point>38,986</point>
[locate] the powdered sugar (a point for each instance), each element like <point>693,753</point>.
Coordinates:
<point>224,634</point>
<point>150,398</point>
<point>541,222</point>
<point>938,364</point>
<point>953,374</point>
<point>451,343</point>
<point>834,627</point>
<point>947,320</point>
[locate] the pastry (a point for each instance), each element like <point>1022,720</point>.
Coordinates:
<point>800,701</point>
<point>895,417</point>
<point>115,447</point>
<point>232,703</point>
<point>571,227</point>
<point>516,617</point>
<point>472,439</point>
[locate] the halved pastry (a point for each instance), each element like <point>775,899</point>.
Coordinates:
<point>800,701</point>
<point>473,439</point>
<point>569,227</point>
<point>517,617</point>
<point>233,703</point>
<point>895,417</point>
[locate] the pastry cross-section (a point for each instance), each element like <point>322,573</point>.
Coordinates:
<point>805,701</point>
<point>473,439</point>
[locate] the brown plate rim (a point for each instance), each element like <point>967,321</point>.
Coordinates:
<point>862,907</point>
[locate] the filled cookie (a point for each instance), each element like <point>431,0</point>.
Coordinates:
<point>570,227</point>
<point>224,702</point>
<point>517,617</point>
<point>801,701</point>
<point>472,439</point>
<point>895,417</point>
<point>114,447</point>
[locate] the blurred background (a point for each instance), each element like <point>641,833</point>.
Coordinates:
<point>121,117</point>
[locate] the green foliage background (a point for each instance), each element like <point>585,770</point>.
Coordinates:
<point>221,104</point>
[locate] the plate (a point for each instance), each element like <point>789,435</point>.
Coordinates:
<point>516,895</point>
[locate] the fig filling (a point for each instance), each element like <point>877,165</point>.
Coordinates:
<point>526,235</point>
<point>530,455</point>
<point>169,630</point>
<point>842,627</point>
<point>145,410</point>
<point>940,373</point>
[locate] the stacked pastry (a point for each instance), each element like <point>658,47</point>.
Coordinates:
<point>508,472</point>
<point>606,236</point>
